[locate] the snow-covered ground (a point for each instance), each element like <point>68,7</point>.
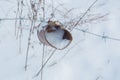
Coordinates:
<point>88,57</point>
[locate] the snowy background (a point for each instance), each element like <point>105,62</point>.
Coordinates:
<point>89,57</point>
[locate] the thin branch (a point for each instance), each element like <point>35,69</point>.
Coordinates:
<point>5,19</point>
<point>42,61</point>
<point>98,35</point>
<point>20,26</point>
<point>45,63</point>
<point>43,10</point>
<point>15,18</point>
<point>29,38</point>
<point>84,14</point>
<point>67,52</point>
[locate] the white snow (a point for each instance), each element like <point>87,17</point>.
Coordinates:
<point>55,39</point>
<point>89,57</point>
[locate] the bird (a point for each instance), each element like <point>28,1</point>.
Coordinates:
<point>52,26</point>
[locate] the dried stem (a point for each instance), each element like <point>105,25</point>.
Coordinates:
<point>33,20</point>
<point>19,13</point>
<point>84,14</point>
<point>42,61</point>
<point>98,35</point>
<point>29,38</point>
<point>43,10</point>
<point>20,25</point>
<point>15,18</point>
<point>45,63</point>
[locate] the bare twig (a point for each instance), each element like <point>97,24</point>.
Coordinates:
<point>43,10</point>
<point>45,63</point>
<point>15,18</point>
<point>33,21</point>
<point>20,26</point>
<point>67,52</point>
<point>98,35</point>
<point>84,14</point>
<point>29,38</point>
<point>42,61</point>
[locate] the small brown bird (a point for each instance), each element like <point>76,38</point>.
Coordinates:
<point>52,26</point>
